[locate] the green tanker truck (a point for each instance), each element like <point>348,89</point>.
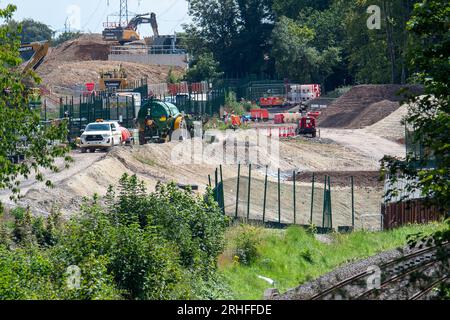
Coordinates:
<point>157,120</point>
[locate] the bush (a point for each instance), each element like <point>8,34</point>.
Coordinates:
<point>162,245</point>
<point>232,105</point>
<point>246,244</point>
<point>25,274</point>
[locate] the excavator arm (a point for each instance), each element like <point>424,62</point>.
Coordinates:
<point>148,18</point>
<point>33,54</point>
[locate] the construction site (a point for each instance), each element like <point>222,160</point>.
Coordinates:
<point>94,77</point>
<point>285,150</point>
<point>354,132</point>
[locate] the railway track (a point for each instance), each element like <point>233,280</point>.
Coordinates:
<point>424,292</point>
<point>382,282</point>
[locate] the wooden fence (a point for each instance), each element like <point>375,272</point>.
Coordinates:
<point>409,212</point>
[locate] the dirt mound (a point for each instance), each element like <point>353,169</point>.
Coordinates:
<point>66,77</point>
<point>374,113</point>
<point>73,63</point>
<point>390,127</point>
<point>363,106</point>
<point>86,47</point>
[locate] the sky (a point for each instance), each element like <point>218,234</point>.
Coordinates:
<point>89,15</point>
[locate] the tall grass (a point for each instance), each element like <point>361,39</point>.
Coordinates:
<point>294,256</point>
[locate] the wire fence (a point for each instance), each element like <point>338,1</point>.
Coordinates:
<point>284,200</point>
<point>90,108</point>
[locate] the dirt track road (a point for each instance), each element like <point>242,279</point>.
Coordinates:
<point>365,143</point>
<point>81,162</point>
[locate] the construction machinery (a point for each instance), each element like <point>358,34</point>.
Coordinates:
<point>33,54</point>
<point>307,126</point>
<point>113,80</point>
<point>126,34</point>
<point>157,120</point>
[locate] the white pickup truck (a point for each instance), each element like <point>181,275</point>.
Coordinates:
<point>100,135</point>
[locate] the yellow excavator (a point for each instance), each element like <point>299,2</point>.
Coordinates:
<point>33,54</point>
<point>113,80</point>
<point>123,35</point>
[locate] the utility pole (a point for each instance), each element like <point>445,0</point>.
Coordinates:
<point>123,13</point>
<point>67,25</point>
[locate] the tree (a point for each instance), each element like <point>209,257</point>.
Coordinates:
<point>292,8</point>
<point>65,36</point>
<point>296,56</point>
<point>429,115</point>
<point>236,32</point>
<point>32,31</point>
<point>378,55</point>
<point>21,130</point>
<point>204,68</point>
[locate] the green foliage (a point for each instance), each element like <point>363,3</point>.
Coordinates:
<point>246,244</point>
<point>31,30</point>
<point>25,274</point>
<point>172,77</point>
<point>204,68</point>
<point>338,92</point>
<point>21,130</point>
<point>379,55</point>
<point>291,8</point>
<point>232,105</point>
<point>297,57</point>
<point>429,115</point>
<point>65,36</point>
<point>237,107</point>
<point>236,32</point>
<point>162,245</point>
<point>293,256</point>
<point>324,41</point>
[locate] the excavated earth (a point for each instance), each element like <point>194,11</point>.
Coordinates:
<point>365,105</point>
<point>69,66</point>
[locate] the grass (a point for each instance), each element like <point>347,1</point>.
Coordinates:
<point>293,256</point>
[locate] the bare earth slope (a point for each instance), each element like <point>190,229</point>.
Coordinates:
<point>73,63</point>
<point>363,106</point>
<point>390,127</point>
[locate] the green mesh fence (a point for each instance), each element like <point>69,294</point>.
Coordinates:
<point>276,198</point>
